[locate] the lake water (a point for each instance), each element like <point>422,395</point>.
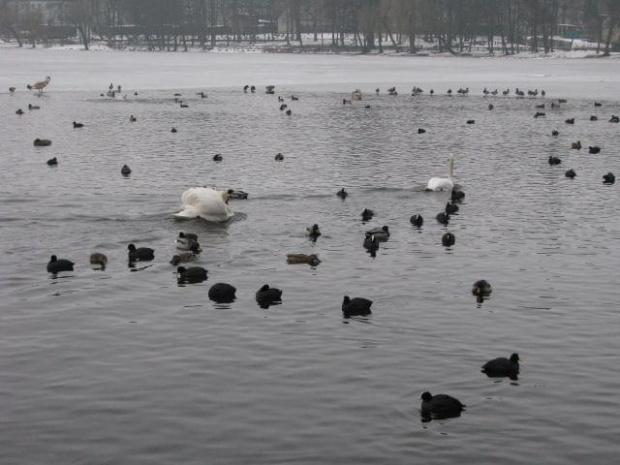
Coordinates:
<point>123,366</point>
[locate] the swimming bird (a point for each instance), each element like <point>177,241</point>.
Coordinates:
<point>542,105</point>
<point>267,296</point>
<point>141,254</point>
<point>342,193</point>
<point>188,241</point>
<point>609,178</point>
<point>539,114</point>
<point>555,133</point>
<point>357,306</point>
<point>132,118</point>
<point>185,257</point>
<point>289,112</point>
<point>597,104</point>
<point>297,258</point>
<point>33,107</point>
<point>217,157</point>
<point>491,107</point>
<point>443,218</point>
<point>561,100</point>
<point>614,119</point>
<point>576,145</point>
<point>40,85</point>
<point>481,288</point>
<point>570,173</point>
<point>184,105</point>
<point>594,149</point>
<point>245,88</point>
<point>280,98</point>
<point>191,275</point>
<point>77,125</point>
<point>471,121</point>
<point>222,293</point>
<point>279,157</point>
<point>252,89</point>
<point>270,89</point>
<point>382,234</point>
<point>570,121</point>
<point>97,258</point>
<point>417,220</point>
<point>367,214</point>
<point>554,160</point>
<point>283,107</point>
<point>237,194</point>
<point>502,367</point>
<point>173,130</point>
<point>421,131</point>
<point>19,112</point>
<point>313,231</point>
<point>440,406</point>
<point>125,170</point>
<point>371,243</point>
<point>207,203</point>
<point>451,208</point>
<point>56,265</point>
<point>593,118</point>
<point>456,195</point>
<point>448,239</point>
<point>294,98</point>
<point>202,94</point>
<point>52,161</point>
<point>11,89</point>
<point>440,184</point>
<point>42,142</point>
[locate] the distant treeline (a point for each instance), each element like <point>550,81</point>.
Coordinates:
<point>508,26</point>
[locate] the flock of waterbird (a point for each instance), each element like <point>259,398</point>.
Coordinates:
<point>204,201</point>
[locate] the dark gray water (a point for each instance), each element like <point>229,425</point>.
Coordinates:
<point>124,366</point>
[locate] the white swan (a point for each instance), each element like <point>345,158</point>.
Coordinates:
<point>443,184</point>
<point>205,202</point>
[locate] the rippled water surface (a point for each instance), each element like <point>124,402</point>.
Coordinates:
<point>125,366</point>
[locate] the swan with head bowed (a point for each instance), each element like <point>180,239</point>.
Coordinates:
<point>443,184</point>
<point>205,202</point>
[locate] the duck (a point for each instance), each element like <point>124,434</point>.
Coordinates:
<point>283,107</point>
<point>594,150</point>
<point>289,112</point>
<point>570,173</point>
<point>133,119</point>
<point>237,194</point>
<point>542,105</point>
<point>313,231</point>
<point>367,214</point>
<point>97,258</point>
<point>185,257</point>
<point>576,145</point>
<point>570,121</point>
<point>481,288</point>
<point>491,107</point>
<point>184,105</point>
<point>357,306</point>
<point>33,107</point>
<point>555,133</point>
<point>417,220</point>
<point>11,89</point>
<point>279,157</point>
<point>207,203</point>
<point>294,98</point>
<point>440,184</point>
<point>502,367</point>
<point>280,98</point>
<point>443,218</point>
<point>448,239</point>
<point>421,131</point>
<point>42,142</point>
<point>471,121</point>
<point>217,157</point>
<point>562,100</point>
<point>173,130</point>
<point>297,258</point>
<point>191,275</point>
<point>614,119</point>
<point>77,125</point>
<point>382,234</point>
<point>252,89</point>
<point>56,265</point>
<point>222,293</point>
<point>457,195</point>
<point>202,94</point>
<point>125,170</point>
<point>597,104</point>
<point>451,208</point>
<point>188,241</point>
<point>267,296</point>
<point>554,160</point>
<point>609,178</point>
<point>440,406</point>
<point>19,112</point>
<point>141,254</point>
<point>342,193</point>
<point>539,114</point>
<point>245,88</point>
<point>270,89</point>
<point>371,243</point>
<point>593,118</point>
<point>52,161</point>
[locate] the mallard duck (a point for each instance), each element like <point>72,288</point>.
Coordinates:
<point>97,258</point>
<point>297,258</point>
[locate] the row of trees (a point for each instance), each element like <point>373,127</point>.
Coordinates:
<point>454,25</point>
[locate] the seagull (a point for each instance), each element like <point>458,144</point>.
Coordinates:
<point>40,85</point>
